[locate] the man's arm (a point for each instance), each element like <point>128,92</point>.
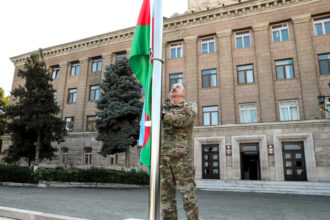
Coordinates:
<point>182,118</point>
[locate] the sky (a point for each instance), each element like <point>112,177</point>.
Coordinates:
<point>27,25</point>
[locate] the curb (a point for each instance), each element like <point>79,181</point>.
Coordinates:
<point>21,214</point>
<point>54,184</point>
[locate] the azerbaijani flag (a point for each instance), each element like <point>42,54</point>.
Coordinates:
<point>140,63</point>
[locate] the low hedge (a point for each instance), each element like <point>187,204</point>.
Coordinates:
<point>17,174</point>
<point>100,175</point>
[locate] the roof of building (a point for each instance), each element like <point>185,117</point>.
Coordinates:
<point>188,20</point>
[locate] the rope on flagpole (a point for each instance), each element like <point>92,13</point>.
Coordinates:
<point>158,59</point>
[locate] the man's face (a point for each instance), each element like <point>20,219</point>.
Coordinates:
<point>177,90</point>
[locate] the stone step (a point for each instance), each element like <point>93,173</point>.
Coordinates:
<point>267,186</point>
<point>285,187</point>
<point>263,183</point>
<point>303,192</point>
<point>284,191</point>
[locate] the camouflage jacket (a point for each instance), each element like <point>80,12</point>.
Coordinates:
<point>177,125</point>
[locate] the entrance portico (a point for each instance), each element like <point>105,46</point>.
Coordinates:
<point>273,152</point>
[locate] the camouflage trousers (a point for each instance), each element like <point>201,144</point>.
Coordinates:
<point>177,172</point>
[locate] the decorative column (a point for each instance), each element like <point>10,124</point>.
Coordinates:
<point>225,72</point>
<point>306,62</point>
<point>191,70</point>
<point>61,86</point>
<point>264,72</point>
<point>106,61</point>
<point>164,57</point>
<point>82,92</point>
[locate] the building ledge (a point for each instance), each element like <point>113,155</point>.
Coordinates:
<point>281,187</point>
<point>320,122</point>
<point>170,24</point>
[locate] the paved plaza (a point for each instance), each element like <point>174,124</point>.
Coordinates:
<point>113,204</point>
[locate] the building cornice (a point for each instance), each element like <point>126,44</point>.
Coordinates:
<point>228,11</point>
<point>170,24</point>
<point>303,123</point>
<point>267,125</point>
<point>81,45</point>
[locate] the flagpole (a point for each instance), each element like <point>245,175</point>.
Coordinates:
<point>154,193</point>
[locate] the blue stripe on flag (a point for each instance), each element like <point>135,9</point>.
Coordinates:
<point>142,122</point>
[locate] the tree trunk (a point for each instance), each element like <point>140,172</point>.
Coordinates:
<point>36,160</point>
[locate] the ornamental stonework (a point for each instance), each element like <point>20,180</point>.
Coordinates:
<point>200,5</point>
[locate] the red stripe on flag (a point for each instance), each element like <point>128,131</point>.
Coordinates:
<point>144,17</point>
<point>146,131</point>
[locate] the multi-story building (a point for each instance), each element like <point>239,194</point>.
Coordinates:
<point>255,69</point>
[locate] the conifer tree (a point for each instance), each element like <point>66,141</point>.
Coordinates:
<point>118,120</point>
<point>33,121</point>
<point>4,102</point>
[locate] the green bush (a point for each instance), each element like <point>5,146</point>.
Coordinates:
<point>100,175</point>
<point>17,174</point>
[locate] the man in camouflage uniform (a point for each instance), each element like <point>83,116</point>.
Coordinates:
<point>177,162</point>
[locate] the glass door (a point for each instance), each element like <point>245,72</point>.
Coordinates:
<point>210,160</point>
<point>294,161</point>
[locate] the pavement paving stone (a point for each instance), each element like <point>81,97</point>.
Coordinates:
<point>121,204</point>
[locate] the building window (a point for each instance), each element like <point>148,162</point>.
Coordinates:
<point>91,123</point>
<point>284,69</point>
<point>120,55</point>
<point>243,39</point>
<point>55,96</point>
<point>208,45</point>
<point>69,122</point>
<point>280,32</point>
<point>210,115</point>
<point>176,79</point>
<point>97,65</point>
<point>55,72</point>
<point>94,93</point>
<point>176,50</point>
<point>327,106</point>
<point>322,26</point>
<point>248,113</point>
<point>75,69</point>
<point>64,155</point>
<point>88,155</point>
<point>114,159</point>
<point>289,110</point>
<point>72,97</point>
<point>324,62</point>
<point>245,74</point>
<point>209,78</point>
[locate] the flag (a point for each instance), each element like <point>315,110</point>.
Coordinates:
<point>140,63</point>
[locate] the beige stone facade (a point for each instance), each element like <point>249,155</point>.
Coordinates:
<point>229,58</point>
<point>200,5</point>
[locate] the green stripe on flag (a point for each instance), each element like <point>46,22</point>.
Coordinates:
<point>139,57</point>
